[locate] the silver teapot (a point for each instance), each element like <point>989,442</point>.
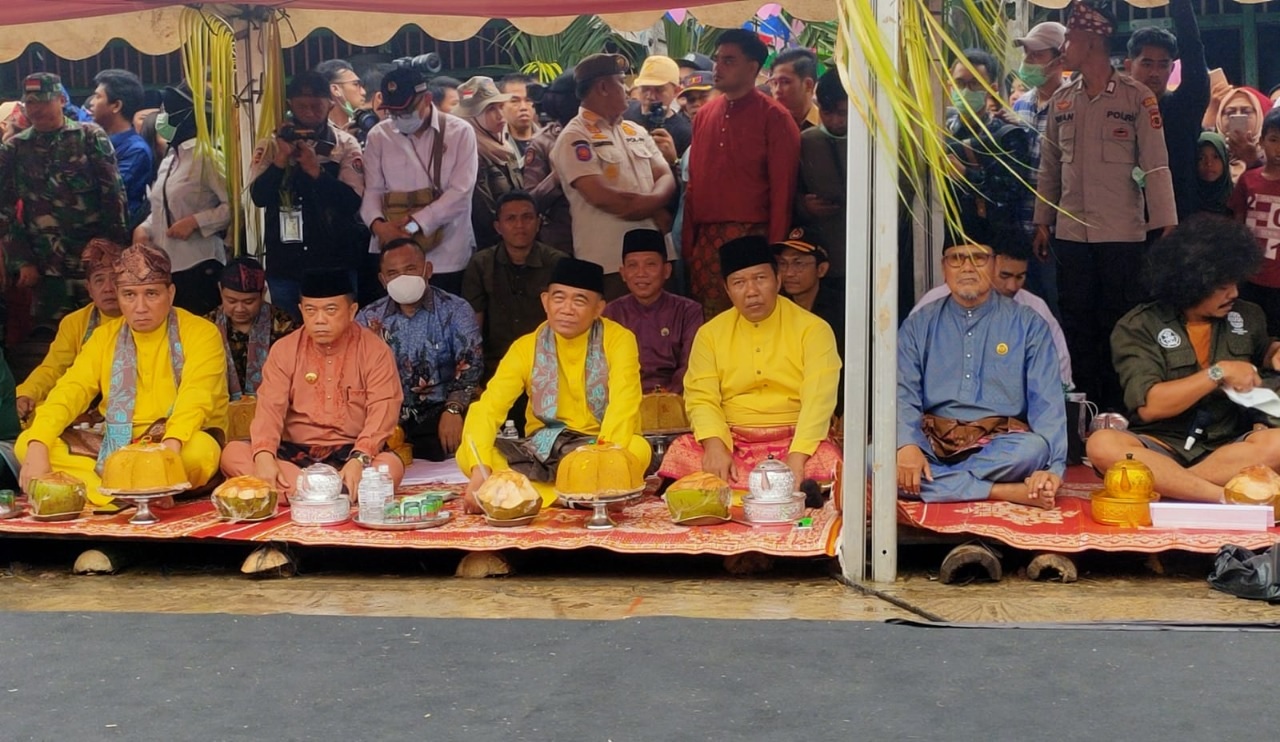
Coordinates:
<point>771,480</point>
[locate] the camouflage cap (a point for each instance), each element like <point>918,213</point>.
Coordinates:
<point>600,65</point>
<point>41,87</point>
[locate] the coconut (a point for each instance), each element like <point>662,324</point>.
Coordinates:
<point>508,495</point>
<point>56,495</point>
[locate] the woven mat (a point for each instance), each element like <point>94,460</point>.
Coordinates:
<point>644,527</point>
<point>1070,528</point>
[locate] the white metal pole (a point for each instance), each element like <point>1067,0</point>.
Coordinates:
<point>884,325</point>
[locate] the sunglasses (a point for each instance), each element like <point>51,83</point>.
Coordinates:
<point>979,258</point>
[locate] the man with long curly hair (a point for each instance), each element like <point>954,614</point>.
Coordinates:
<point>1176,356</point>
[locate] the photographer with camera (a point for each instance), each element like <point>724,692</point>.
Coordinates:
<point>657,110</point>
<point>364,119</point>
<point>309,178</point>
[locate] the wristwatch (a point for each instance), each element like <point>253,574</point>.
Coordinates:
<point>365,459</point>
<point>1215,373</point>
<point>453,408</point>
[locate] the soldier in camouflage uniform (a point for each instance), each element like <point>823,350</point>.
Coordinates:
<point>64,174</point>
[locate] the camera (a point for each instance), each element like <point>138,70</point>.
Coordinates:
<point>322,138</point>
<point>428,64</point>
<point>362,122</point>
<point>656,116</point>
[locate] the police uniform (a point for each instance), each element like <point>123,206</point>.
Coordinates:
<point>1096,157</point>
<point>1150,345</point>
<point>623,154</point>
<point>326,233</point>
<point>69,187</point>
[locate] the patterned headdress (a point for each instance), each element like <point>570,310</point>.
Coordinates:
<point>99,255</point>
<point>1088,18</point>
<point>143,264</point>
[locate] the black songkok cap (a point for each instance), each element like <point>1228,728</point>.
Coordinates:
<point>643,240</point>
<point>745,252</point>
<point>580,274</point>
<point>245,275</point>
<point>324,284</point>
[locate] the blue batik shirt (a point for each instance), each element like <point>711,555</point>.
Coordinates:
<point>439,351</point>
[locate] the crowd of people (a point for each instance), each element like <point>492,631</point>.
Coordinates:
<point>445,256</point>
<point>441,257</point>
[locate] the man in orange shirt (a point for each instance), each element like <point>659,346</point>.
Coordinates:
<point>330,393</point>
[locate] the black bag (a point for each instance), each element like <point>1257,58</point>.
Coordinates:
<point>1240,572</point>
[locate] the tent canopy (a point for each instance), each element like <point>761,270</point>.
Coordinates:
<point>151,26</point>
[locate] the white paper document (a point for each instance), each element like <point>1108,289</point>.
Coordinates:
<point>433,472</point>
<point>1259,398</point>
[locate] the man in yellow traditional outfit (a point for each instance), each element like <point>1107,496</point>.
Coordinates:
<point>157,368</point>
<point>762,380</point>
<point>582,375</point>
<point>99,258</point>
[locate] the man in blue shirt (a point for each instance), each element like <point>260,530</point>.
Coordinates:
<point>119,95</point>
<point>981,414</point>
<point>438,348</point>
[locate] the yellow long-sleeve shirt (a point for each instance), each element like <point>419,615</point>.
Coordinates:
<point>515,373</point>
<point>783,370</point>
<point>62,353</point>
<point>199,402</point>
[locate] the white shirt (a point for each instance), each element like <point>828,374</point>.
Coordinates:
<point>1037,305</point>
<point>395,162</point>
<point>193,186</point>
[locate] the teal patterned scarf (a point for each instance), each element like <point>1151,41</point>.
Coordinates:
<point>124,387</point>
<point>544,399</point>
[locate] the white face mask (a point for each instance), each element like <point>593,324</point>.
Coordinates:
<point>406,289</point>
<point>408,124</point>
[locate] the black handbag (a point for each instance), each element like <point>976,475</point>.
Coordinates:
<point>1244,574</point>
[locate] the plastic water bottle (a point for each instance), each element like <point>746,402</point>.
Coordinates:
<point>509,431</point>
<point>373,495</point>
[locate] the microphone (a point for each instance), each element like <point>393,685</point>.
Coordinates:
<point>1198,424</point>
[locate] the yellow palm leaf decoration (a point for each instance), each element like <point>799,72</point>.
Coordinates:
<point>208,63</point>
<point>914,77</point>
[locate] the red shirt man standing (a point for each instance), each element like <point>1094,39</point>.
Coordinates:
<point>743,166</point>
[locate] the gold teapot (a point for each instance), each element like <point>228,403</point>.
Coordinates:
<point>1130,479</point>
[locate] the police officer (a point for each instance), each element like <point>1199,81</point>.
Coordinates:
<point>1103,148</point>
<point>1176,355</point>
<point>64,173</point>
<point>615,178</point>
<point>309,178</point>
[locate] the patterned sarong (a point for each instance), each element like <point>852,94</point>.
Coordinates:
<point>703,259</point>
<point>750,447</point>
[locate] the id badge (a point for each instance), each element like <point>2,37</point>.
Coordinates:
<point>291,226</point>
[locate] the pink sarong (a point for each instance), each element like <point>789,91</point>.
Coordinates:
<point>750,447</point>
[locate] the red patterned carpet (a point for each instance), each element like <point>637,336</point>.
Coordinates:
<point>1069,528</point>
<point>644,527</point>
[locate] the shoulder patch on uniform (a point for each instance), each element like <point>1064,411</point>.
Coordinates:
<point>1168,339</point>
<point>582,150</point>
<point>1156,121</point>
<point>357,164</point>
<point>1149,101</point>
<point>1064,104</point>
<point>628,129</point>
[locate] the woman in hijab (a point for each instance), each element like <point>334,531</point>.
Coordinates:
<point>498,170</point>
<point>1240,124</point>
<point>189,207</point>
<point>1214,176</point>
